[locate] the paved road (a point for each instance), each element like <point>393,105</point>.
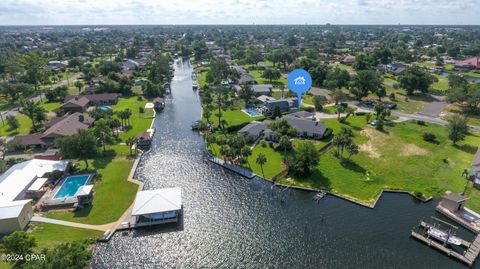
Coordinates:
<point>433,109</point>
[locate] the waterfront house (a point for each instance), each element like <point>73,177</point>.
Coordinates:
<point>157,206</point>
<point>253,131</point>
<point>307,128</point>
<point>16,185</point>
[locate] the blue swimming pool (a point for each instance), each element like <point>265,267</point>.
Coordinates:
<point>252,112</point>
<point>71,185</point>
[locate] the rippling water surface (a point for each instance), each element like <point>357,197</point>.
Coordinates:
<point>233,222</point>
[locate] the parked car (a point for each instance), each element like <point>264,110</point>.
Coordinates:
<point>391,105</point>
<point>368,103</point>
<point>386,122</point>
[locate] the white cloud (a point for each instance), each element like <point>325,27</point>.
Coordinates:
<point>239,12</point>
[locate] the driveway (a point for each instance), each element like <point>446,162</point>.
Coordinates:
<point>433,109</point>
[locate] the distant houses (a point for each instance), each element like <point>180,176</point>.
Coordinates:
<point>468,64</point>
<point>394,68</point>
<point>285,105</point>
<point>258,89</point>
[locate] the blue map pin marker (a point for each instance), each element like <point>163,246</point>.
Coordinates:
<point>299,82</point>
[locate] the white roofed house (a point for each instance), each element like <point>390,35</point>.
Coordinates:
<point>159,206</point>
<point>15,215</point>
<point>19,182</point>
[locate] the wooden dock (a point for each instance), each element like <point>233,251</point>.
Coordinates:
<point>319,196</point>
<point>468,257</point>
<point>234,168</point>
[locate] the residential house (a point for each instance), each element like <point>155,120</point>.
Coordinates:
<point>253,130</point>
<point>33,141</point>
<point>66,126</point>
<point>77,103</point>
<point>395,68</point>
<point>307,128</point>
<point>260,89</point>
<point>349,59</point>
<point>130,64</point>
<point>265,98</point>
<point>468,64</point>
<point>285,105</point>
<point>56,65</point>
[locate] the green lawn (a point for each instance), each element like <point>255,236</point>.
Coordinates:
<point>258,77</point>
<point>48,235</point>
<point>140,121</point>
<point>442,84</point>
<point>113,194</point>
<point>395,159</point>
<point>233,117</point>
<point>25,125</point>
<point>50,106</point>
<point>272,167</point>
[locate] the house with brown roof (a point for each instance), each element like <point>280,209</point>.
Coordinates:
<point>76,104</point>
<point>66,126</point>
<point>29,141</point>
<point>79,103</point>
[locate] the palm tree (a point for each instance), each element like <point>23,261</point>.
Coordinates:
<point>130,142</point>
<point>210,138</point>
<point>79,85</point>
<point>261,160</point>
<point>245,152</point>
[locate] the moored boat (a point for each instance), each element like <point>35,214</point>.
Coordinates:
<point>443,236</point>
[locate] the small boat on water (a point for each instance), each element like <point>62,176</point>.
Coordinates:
<point>195,85</point>
<point>194,75</point>
<point>443,236</point>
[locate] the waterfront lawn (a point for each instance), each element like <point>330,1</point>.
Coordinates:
<point>395,159</point>
<point>272,167</point>
<point>113,194</point>
<point>140,122</point>
<point>233,117</point>
<point>48,235</point>
<point>24,129</point>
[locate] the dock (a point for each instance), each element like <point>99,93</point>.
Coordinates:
<point>457,217</point>
<point>319,196</point>
<point>234,168</point>
<point>468,257</point>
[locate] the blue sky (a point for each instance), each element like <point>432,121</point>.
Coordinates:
<point>37,12</point>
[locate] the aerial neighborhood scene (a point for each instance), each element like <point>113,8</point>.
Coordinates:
<point>240,134</point>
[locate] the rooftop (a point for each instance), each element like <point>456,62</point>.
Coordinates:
<point>157,201</point>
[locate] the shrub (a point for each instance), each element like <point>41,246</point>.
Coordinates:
<point>139,98</point>
<point>263,144</point>
<point>421,122</point>
<point>392,96</point>
<point>141,110</point>
<point>309,109</point>
<point>361,113</point>
<point>270,144</point>
<point>328,133</point>
<point>55,175</point>
<point>418,194</point>
<point>430,137</point>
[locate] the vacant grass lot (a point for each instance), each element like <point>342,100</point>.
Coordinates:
<point>395,159</point>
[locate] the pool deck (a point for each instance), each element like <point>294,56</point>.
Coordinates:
<point>49,202</point>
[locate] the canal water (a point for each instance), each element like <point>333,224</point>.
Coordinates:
<point>233,222</point>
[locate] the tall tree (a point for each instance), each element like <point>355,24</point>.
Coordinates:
<point>416,79</point>
<point>81,146</point>
<point>261,160</point>
<point>33,63</point>
<point>19,244</point>
<point>271,74</point>
<point>246,93</point>
<point>364,82</point>
<point>457,128</point>
<point>103,133</point>
<point>34,112</point>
